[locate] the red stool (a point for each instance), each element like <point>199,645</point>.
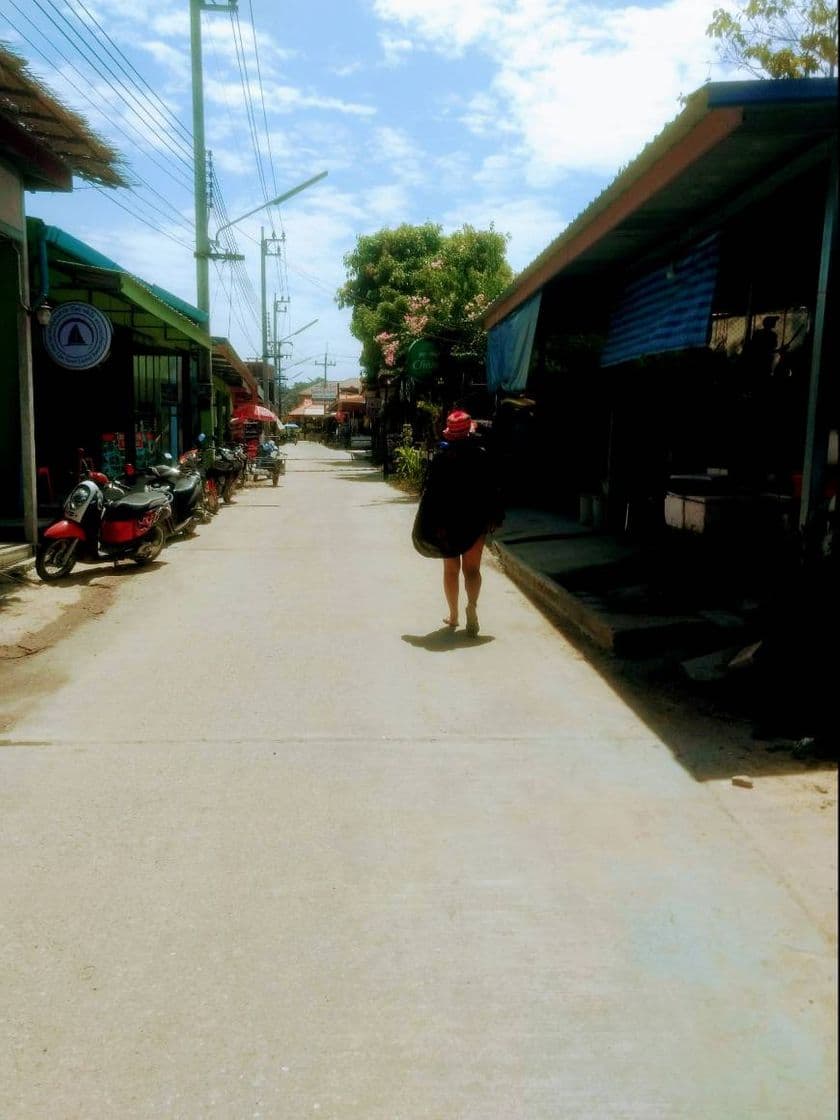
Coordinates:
<point>43,473</point>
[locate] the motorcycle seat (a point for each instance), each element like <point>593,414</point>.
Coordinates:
<point>134,504</point>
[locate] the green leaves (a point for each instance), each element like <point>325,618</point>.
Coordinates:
<point>779,38</point>
<point>414,281</point>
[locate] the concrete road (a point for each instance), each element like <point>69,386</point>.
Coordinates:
<point>274,846</point>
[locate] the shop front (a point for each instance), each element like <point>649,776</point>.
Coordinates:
<point>115,368</point>
<point>42,146</point>
<point>670,361</point>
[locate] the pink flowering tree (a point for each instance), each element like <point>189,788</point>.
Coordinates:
<point>416,282</point>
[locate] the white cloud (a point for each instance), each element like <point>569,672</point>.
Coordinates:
<point>395,50</point>
<point>585,88</point>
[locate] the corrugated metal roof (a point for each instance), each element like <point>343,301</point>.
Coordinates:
<point>86,254</point>
<point>730,137</point>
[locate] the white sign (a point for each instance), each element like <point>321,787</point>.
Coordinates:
<point>78,336</point>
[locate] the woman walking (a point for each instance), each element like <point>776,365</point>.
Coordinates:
<point>461,502</point>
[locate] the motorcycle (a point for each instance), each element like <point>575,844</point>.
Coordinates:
<point>102,521</point>
<point>185,485</point>
<point>193,460</point>
<point>227,466</point>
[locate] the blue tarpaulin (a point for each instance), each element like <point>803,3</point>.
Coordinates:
<point>509,346</point>
<point>669,309</point>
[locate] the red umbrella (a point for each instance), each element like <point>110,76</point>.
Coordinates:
<point>253,411</point>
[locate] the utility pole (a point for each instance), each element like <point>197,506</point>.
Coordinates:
<point>279,305</point>
<point>326,362</point>
<point>207,414</point>
<point>265,251</point>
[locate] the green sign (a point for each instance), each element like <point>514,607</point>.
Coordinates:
<point>421,359</point>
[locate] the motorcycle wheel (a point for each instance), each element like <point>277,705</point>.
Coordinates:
<point>151,547</point>
<point>56,559</point>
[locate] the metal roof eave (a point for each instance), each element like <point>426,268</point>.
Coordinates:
<point>229,366</point>
<point>712,115</point>
<point>144,297</point>
<point>86,255</point>
<point>113,284</point>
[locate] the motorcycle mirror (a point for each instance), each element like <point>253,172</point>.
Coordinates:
<point>167,455</point>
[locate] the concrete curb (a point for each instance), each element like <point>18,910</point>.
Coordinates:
<point>558,603</point>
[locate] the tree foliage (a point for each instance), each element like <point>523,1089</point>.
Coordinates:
<point>779,38</point>
<point>415,282</point>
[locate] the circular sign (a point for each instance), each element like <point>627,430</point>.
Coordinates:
<point>78,336</point>
<point>421,359</point>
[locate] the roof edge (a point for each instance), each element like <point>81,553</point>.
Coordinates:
<point>722,103</point>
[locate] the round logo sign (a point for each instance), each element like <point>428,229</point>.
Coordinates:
<point>78,336</point>
<point>422,359</point>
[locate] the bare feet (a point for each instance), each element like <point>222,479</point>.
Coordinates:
<point>449,622</point>
<point>472,622</point>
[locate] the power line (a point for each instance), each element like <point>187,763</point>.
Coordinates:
<point>85,95</point>
<point>131,67</point>
<point>94,62</point>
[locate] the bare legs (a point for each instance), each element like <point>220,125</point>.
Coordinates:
<point>470,564</point>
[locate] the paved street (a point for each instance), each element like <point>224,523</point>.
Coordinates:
<point>273,845</point>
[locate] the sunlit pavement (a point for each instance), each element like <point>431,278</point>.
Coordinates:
<point>274,845</point>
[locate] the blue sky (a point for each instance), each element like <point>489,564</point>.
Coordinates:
<point>515,112</point>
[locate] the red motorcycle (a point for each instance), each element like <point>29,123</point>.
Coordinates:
<point>104,522</point>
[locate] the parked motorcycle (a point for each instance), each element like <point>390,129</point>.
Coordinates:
<point>128,525</point>
<point>227,465</point>
<point>185,486</point>
<point>194,460</point>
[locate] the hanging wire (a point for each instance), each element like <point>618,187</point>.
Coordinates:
<point>124,94</point>
<point>242,65</point>
<point>97,106</point>
<point>129,68</point>
<point>112,197</point>
<point>262,100</point>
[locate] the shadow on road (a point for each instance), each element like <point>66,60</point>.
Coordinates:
<point>445,640</point>
<point>104,569</point>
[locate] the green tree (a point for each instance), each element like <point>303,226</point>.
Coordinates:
<point>415,282</point>
<point>779,38</point>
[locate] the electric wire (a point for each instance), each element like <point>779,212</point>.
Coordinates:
<point>249,107</point>
<point>112,197</point>
<point>103,70</point>
<point>97,106</point>
<point>262,99</point>
<point>130,67</point>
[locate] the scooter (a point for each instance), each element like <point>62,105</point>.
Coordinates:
<point>183,483</point>
<point>128,525</point>
<point>193,460</point>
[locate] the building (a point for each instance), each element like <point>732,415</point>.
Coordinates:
<point>42,146</point>
<point>626,358</point>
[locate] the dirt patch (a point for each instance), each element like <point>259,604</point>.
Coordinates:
<point>34,615</point>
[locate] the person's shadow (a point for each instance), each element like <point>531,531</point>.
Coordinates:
<point>444,640</point>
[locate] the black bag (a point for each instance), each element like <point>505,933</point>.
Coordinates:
<point>421,535</point>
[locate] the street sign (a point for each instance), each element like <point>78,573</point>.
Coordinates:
<point>421,359</point>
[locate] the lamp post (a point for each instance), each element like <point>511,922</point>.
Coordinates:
<point>272,202</point>
<point>214,254</point>
<point>278,342</point>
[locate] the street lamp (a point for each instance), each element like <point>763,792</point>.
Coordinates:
<point>272,202</point>
<point>217,256</point>
<point>278,342</point>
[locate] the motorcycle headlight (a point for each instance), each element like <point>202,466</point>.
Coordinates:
<point>78,498</point>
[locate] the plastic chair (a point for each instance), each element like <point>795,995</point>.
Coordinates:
<point>43,476</point>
